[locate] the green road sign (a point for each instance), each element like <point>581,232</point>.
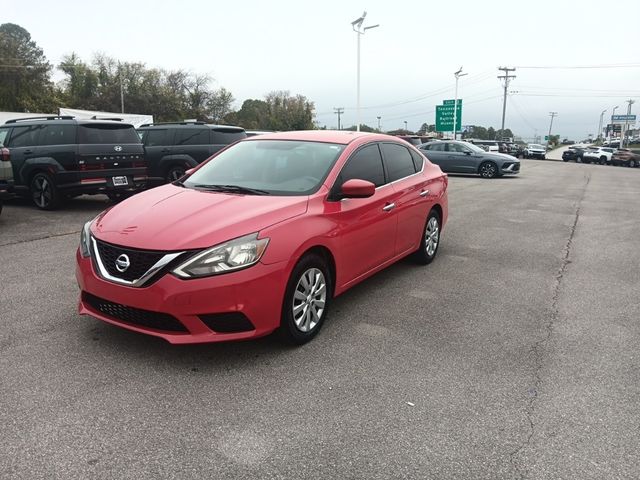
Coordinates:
<point>546,137</point>
<point>444,116</point>
<point>451,102</point>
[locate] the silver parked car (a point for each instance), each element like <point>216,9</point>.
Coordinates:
<point>464,157</point>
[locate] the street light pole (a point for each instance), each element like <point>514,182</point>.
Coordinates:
<point>599,137</point>
<point>405,127</point>
<point>379,127</point>
<point>553,115</point>
<point>457,74</point>
<point>357,27</point>
<point>610,136</point>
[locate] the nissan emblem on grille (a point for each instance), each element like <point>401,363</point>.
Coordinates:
<point>122,263</point>
<point>117,148</point>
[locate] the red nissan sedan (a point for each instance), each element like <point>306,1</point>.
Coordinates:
<point>261,237</point>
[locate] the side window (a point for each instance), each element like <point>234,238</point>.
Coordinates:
<point>456,147</point>
<point>365,164</point>
<point>24,136</point>
<point>418,160</point>
<point>437,147</point>
<point>398,161</point>
<point>57,135</point>
<point>4,133</point>
<point>189,136</point>
<point>155,138</point>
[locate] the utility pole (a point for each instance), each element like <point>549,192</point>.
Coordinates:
<point>379,127</point>
<point>339,111</point>
<point>506,78</point>
<point>405,126</point>
<point>624,126</point>
<point>553,115</point>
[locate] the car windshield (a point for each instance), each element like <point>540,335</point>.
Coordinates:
<point>274,167</point>
<point>535,145</point>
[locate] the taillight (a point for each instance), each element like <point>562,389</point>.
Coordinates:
<point>5,155</point>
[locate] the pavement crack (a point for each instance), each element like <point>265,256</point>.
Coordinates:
<point>538,346</point>
<point>53,235</point>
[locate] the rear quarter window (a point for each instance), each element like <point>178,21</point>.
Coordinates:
<point>225,137</point>
<point>59,134</point>
<point>24,136</point>
<point>4,133</point>
<point>192,136</point>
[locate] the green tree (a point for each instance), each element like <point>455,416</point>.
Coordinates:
<point>491,133</point>
<point>287,112</point>
<point>253,115</point>
<point>25,84</point>
<point>363,128</point>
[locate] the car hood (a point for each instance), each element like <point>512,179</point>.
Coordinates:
<point>501,156</point>
<point>175,218</point>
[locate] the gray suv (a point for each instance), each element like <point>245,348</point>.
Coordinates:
<point>464,157</point>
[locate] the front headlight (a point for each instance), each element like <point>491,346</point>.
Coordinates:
<point>85,239</point>
<point>226,257</point>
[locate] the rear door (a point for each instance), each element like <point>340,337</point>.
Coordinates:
<point>463,159</point>
<point>412,195</point>
<point>57,141</point>
<point>437,153</point>
<point>157,145</point>
<point>193,142</point>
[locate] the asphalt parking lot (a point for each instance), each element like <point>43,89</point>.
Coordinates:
<point>513,355</point>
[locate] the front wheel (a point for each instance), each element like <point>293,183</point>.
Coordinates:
<point>430,240</point>
<point>603,160</point>
<point>488,170</point>
<point>44,192</point>
<point>632,163</point>
<point>306,300</point>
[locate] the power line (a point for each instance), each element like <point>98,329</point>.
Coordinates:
<point>571,67</point>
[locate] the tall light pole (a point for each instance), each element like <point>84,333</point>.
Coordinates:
<point>553,115</point>
<point>610,136</point>
<point>457,74</point>
<point>405,127</point>
<point>379,127</point>
<point>360,30</point>
<point>599,137</point>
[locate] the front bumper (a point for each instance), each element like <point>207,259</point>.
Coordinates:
<point>510,168</point>
<point>256,293</point>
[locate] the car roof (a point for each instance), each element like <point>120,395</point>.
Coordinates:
<point>162,125</point>
<point>64,121</point>
<point>343,137</point>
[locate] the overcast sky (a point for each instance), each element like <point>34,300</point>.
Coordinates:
<point>253,47</point>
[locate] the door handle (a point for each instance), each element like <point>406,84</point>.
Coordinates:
<point>388,207</point>
<point>28,151</point>
<point>424,193</point>
<point>165,150</point>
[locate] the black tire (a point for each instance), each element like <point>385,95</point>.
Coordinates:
<point>544,157</point>
<point>292,328</point>
<point>488,170</point>
<point>44,192</point>
<point>424,255</point>
<point>175,172</point>
<point>603,160</point>
<point>116,197</point>
<point>565,159</point>
<point>632,163</point>
<point>584,160</point>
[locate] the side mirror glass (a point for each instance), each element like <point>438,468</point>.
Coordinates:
<point>356,188</point>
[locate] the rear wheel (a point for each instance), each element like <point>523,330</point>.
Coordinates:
<point>306,300</point>
<point>603,160</point>
<point>175,172</point>
<point>488,170</point>
<point>632,163</point>
<point>430,240</point>
<point>44,192</point>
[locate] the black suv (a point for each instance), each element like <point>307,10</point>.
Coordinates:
<point>574,153</point>
<point>173,148</point>
<point>58,156</point>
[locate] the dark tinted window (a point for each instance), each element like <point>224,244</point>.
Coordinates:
<point>225,137</point>
<point>365,164</point>
<point>25,136</point>
<point>107,133</point>
<point>59,134</point>
<point>398,161</point>
<point>155,137</point>
<point>4,132</point>
<point>418,160</point>
<point>192,136</point>
<point>456,147</point>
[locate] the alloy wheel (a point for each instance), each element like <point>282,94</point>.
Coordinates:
<point>309,300</point>
<point>431,236</point>
<point>488,170</point>
<point>41,191</point>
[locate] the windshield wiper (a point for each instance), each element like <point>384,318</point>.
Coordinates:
<point>232,189</point>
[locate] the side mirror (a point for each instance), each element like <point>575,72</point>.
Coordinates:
<point>190,171</point>
<point>467,152</point>
<point>356,188</point>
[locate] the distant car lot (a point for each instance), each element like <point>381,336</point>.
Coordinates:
<point>517,334</point>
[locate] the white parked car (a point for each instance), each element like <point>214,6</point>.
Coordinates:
<point>599,155</point>
<point>535,150</point>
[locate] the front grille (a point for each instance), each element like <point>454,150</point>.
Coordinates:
<point>139,260</point>
<point>134,316</point>
<point>230,322</point>
<point>516,167</point>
